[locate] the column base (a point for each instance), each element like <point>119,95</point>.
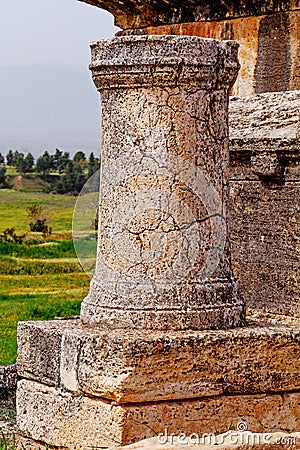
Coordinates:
<point>215,318</point>
<point>211,306</point>
<point>84,387</point>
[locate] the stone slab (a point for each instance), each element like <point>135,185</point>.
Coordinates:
<point>61,418</point>
<point>139,14</point>
<point>150,366</point>
<point>272,115</point>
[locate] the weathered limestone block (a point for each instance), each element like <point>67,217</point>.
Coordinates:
<point>269,48</point>
<point>264,200</point>
<point>77,422</point>
<point>49,344</point>
<point>143,13</point>
<point>265,230</point>
<point>273,116</point>
<point>67,420</point>
<point>163,257</point>
<point>152,366</point>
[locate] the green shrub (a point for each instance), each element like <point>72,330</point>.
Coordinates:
<point>29,249</point>
<point>9,235</point>
<point>38,219</point>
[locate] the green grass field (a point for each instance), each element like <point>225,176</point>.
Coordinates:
<point>13,213</point>
<point>38,281</point>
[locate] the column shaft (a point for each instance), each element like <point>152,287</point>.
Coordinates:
<point>163,257</point>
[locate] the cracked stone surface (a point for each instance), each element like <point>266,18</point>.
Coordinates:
<point>163,254</point>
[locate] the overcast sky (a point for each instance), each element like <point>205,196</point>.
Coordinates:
<point>39,38</point>
<point>39,31</point>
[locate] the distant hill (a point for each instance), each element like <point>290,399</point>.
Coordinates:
<point>47,106</point>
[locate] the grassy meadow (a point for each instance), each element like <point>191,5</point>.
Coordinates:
<point>40,278</point>
<point>13,213</point>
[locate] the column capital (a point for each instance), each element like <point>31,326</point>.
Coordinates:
<point>136,61</point>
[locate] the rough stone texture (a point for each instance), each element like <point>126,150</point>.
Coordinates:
<point>8,376</point>
<point>266,244</point>
<point>272,318</point>
<point>264,200</point>
<point>63,419</point>
<point>269,51</point>
<point>143,13</point>
<point>145,366</point>
<point>227,441</point>
<point>265,116</point>
<point>8,386</point>
<point>45,360</point>
<point>163,254</point>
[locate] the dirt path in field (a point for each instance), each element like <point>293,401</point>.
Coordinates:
<point>18,182</point>
<point>43,291</point>
<point>46,260</point>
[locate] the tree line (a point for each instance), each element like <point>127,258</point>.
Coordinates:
<point>62,173</point>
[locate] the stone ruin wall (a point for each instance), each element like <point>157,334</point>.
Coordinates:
<point>264,136</point>
<point>264,200</point>
<point>268,33</point>
<point>269,49</point>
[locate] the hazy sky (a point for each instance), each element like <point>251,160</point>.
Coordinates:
<point>47,99</point>
<point>39,31</point>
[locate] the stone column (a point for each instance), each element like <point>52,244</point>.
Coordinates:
<point>163,257</point>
